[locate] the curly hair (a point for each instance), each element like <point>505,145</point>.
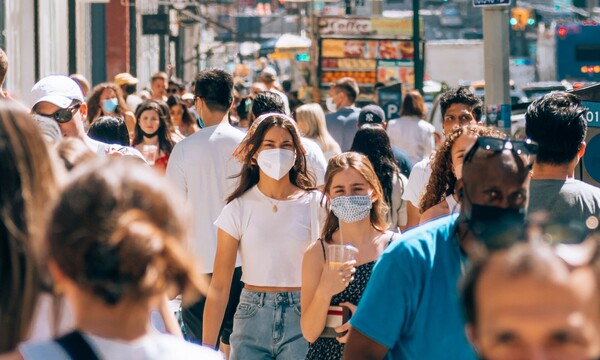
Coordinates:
<point>94,105</point>
<point>442,181</point>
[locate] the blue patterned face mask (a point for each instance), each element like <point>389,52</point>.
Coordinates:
<point>352,208</point>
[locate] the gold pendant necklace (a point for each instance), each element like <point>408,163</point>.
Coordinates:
<point>274,207</point>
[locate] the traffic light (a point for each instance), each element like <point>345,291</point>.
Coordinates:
<point>521,18</point>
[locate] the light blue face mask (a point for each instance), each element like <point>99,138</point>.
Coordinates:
<point>110,105</point>
<point>351,209</point>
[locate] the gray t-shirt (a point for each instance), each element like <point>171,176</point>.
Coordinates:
<point>564,198</point>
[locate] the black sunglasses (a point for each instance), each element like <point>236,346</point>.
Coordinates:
<point>519,147</point>
<point>172,91</point>
<point>65,115</point>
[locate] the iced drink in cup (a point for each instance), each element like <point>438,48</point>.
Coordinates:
<point>149,152</point>
<point>340,254</point>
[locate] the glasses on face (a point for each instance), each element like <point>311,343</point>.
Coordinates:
<point>519,147</point>
<point>172,91</point>
<point>65,115</point>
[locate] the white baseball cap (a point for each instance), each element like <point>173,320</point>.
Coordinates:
<point>56,89</point>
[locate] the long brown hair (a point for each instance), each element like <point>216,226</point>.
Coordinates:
<point>27,188</point>
<point>94,105</point>
<point>360,163</point>
<point>249,176</point>
<point>165,141</point>
<point>118,234</point>
<point>442,181</point>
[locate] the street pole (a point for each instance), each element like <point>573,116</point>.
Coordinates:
<point>417,47</point>
<point>497,77</point>
<point>376,7</point>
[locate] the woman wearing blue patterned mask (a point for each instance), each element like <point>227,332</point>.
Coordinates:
<point>357,217</point>
<point>268,218</point>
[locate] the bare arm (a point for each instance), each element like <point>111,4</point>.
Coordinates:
<point>171,324</point>
<point>413,215</point>
<point>361,347</point>
<point>16,355</point>
<point>319,284</point>
<point>220,284</point>
<point>130,122</point>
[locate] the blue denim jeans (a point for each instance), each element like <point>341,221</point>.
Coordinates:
<point>267,326</point>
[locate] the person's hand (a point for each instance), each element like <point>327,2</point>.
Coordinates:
<point>345,327</point>
<point>334,281</point>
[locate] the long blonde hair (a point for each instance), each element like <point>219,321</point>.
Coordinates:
<point>314,118</point>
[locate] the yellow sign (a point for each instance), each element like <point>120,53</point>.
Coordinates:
<point>392,26</point>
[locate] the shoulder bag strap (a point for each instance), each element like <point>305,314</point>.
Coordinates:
<point>77,346</point>
<point>315,227</point>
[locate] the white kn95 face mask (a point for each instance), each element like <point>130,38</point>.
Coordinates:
<point>276,163</point>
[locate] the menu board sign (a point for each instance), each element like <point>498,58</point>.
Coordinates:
<point>399,50</point>
<point>353,49</point>
<point>344,26</point>
<point>390,71</point>
<point>402,27</point>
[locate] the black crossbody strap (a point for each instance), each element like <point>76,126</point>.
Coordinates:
<point>77,346</point>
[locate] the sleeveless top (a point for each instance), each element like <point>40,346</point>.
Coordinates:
<point>330,348</point>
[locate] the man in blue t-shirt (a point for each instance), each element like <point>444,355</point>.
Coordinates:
<point>342,120</point>
<point>411,307</point>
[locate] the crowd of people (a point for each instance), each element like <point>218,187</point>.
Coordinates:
<point>237,223</point>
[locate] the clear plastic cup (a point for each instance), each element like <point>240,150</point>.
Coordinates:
<point>340,254</point>
<point>149,152</point>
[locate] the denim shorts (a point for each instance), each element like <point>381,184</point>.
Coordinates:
<point>267,326</point>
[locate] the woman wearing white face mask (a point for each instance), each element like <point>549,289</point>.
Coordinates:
<point>268,219</point>
<point>357,217</point>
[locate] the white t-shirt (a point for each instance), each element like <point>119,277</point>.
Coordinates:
<point>417,181</point>
<point>149,347</point>
<point>315,160</point>
<point>413,136</point>
<point>201,166</point>
<point>272,244</point>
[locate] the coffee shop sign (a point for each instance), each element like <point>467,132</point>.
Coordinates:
<point>344,26</point>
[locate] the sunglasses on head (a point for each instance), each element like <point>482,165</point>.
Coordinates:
<point>65,115</point>
<point>496,145</point>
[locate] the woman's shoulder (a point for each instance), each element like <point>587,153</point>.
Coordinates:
<point>435,212</point>
<point>172,347</point>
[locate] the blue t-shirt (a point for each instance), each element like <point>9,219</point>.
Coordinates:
<point>342,125</point>
<point>411,304</point>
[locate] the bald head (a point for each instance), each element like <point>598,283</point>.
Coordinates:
<point>496,179</point>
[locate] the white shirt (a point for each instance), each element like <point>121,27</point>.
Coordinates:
<point>417,182</point>
<point>149,347</point>
<point>272,244</point>
<point>133,101</point>
<point>315,160</point>
<point>413,136</point>
<point>201,166</point>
